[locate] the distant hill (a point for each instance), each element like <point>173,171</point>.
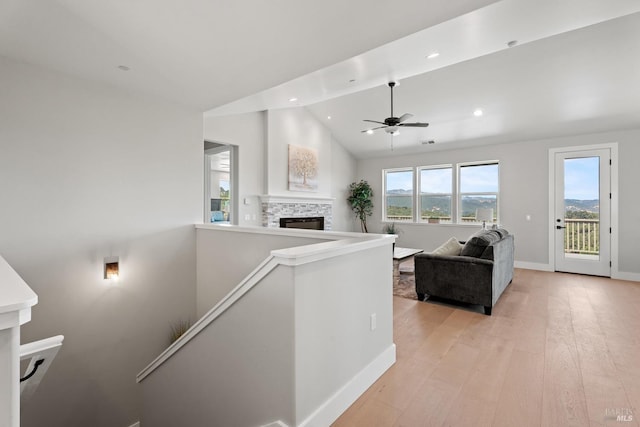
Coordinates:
<point>441,204</point>
<point>438,205</point>
<point>582,205</point>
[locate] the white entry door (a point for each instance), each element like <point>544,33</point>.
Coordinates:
<point>583,212</point>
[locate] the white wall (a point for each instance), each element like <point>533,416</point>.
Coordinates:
<point>524,188</point>
<point>334,301</point>
<point>296,126</point>
<point>88,171</point>
<point>226,257</point>
<point>264,140</point>
<point>343,173</point>
<point>296,347</point>
<point>237,371</point>
<point>247,131</point>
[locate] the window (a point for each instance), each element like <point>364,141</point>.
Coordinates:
<point>436,190</point>
<point>441,196</point>
<point>478,188</point>
<point>398,194</point>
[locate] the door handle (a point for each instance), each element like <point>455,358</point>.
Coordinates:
<point>559,227</point>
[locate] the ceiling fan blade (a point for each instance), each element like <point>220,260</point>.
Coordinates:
<point>375,121</point>
<point>404,117</point>
<point>414,125</point>
<point>367,130</point>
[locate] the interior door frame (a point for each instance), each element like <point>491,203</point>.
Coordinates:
<point>233,177</point>
<point>613,149</point>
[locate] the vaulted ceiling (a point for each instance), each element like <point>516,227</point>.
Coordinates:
<point>573,69</point>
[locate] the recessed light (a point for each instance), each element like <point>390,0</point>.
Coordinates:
<point>369,131</point>
<point>352,80</point>
<point>328,117</point>
<point>293,99</point>
<point>433,55</point>
<point>123,68</point>
<point>477,112</point>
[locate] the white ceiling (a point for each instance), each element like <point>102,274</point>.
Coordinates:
<point>574,69</point>
<point>205,53</point>
<point>583,81</point>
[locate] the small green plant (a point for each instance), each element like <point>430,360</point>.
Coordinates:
<point>360,194</point>
<point>178,329</point>
<point>390,228</point>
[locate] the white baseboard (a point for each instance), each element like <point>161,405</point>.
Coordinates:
<point>350,392</point>
<point>621,275</point>
<point>532,266</point>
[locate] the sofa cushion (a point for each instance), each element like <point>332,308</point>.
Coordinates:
<point>450,247</point>
<point>478,242</point>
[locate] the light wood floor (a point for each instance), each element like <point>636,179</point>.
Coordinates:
<point>559,350</point>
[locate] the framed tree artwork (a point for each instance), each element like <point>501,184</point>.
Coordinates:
<point>303,168</point>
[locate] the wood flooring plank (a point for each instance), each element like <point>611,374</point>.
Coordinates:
<point>401,383</point>
<point>455,366</point>
<point>469,411</point>
<point>437,344</point>
<point>563,398</point>
<point>372,413</point>
<point>605,394</point>
<point>520,400</point>
<point>488,373</point>
<point>559,350</point>
<point>430,406</point>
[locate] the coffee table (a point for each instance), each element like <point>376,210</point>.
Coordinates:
<point>399,255</point>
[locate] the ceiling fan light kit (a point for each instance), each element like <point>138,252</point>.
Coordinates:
<point>392,123</point>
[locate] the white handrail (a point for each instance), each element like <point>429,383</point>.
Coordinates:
<point>254,277</point>
<point>346,243</point>
<point>44,350</point>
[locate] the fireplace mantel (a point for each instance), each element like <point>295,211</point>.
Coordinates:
<point>268,198</point>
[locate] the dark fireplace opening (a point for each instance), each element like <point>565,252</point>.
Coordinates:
<point>310,222</point>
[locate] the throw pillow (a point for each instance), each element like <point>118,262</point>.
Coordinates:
<point>450,247</point>
<point>478,242</point>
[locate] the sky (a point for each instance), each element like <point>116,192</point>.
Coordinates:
<point>474,179</point>
<point>581,178</point>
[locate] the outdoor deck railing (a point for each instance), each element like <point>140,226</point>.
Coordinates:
<point>582,236</point>
<point>426,218</point>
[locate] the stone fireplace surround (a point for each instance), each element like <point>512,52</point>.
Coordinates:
<point>276,207</point>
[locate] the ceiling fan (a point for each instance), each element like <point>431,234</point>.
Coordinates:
<point>391,124</point>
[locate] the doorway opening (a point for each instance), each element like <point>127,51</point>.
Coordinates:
<point>220,165</point>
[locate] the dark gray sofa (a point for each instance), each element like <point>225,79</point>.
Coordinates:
<point>478,275</point>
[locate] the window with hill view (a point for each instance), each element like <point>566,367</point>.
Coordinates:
<point>436,191</point>
<point>478,189</point>
<point>398,194</point>
<point>442,196</point>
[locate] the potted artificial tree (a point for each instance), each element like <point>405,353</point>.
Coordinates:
<point>359,199</point>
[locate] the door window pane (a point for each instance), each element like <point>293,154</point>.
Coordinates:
<point>582,206</point>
